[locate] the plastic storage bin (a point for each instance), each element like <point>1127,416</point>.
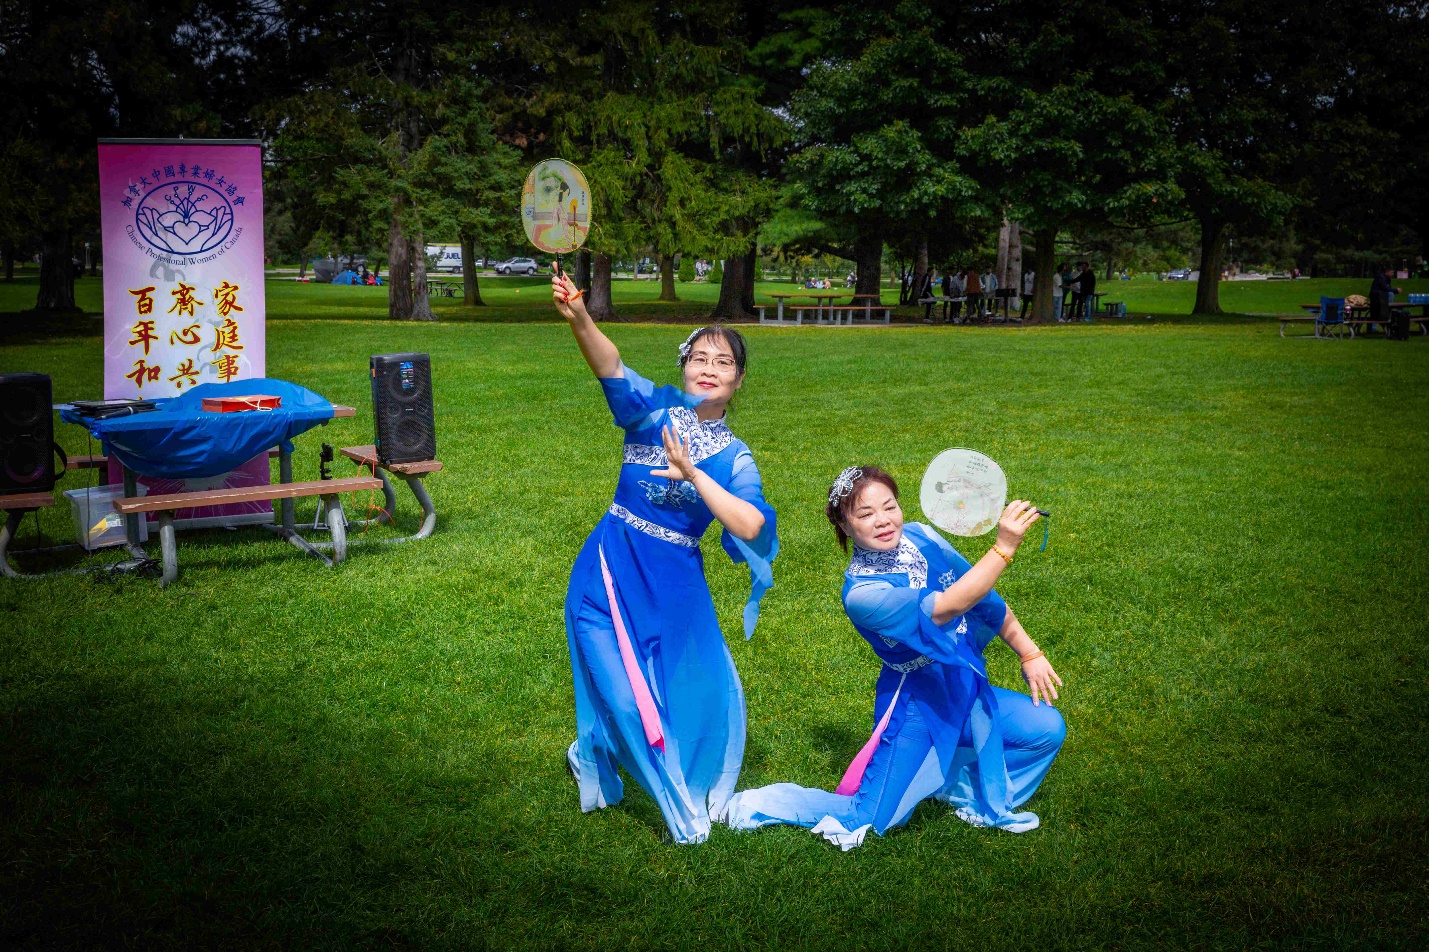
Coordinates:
<point>96,524</point>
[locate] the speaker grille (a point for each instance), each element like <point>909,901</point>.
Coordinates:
<point>27,433</point>
<point>402,408</point>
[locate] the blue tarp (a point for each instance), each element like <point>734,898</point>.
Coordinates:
<point>182,441</point>
<point>347,277</point>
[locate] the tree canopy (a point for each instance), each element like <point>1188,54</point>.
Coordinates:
<point>718,128</point>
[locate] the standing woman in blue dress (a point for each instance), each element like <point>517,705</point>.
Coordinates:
<point>941,730</point>
<point>656,688</point>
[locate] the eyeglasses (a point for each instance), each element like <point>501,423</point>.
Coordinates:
<point>721,364</point>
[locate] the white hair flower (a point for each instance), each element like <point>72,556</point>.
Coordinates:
<point>844,484</point>
<point>685,347</point>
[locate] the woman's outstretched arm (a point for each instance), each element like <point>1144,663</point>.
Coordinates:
<point>599,352</point>
<point>967,591</point>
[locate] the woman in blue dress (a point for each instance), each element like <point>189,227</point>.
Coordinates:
<point>656,688</point>
<point>941,729</point>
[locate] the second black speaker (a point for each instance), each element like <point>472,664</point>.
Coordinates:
<point>402,407</point>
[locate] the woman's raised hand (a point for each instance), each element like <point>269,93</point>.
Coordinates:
<point>1041,679</point>
<point>567,297</point>
<point>1016,519</point>
<point>677,449</point>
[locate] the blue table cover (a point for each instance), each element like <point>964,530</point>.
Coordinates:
<point>182,441</point>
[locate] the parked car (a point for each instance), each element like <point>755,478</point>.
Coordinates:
<point>1180,274</point>
<point>517,266</point>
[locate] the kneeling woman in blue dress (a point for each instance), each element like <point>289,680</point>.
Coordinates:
<point>941,729</point>
<point>656,689</point>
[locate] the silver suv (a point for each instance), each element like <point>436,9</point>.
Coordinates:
<point>517,266</point>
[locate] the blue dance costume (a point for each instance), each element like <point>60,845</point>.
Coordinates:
<point>943,730</point>
<point>656,688</point>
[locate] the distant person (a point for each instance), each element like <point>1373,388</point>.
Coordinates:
<point>1381,296</point>
<point>989,291</point>
<point>1029,287</point>
<point>972,289</point>
<point>1082,302</point>
<point>1060,289</point>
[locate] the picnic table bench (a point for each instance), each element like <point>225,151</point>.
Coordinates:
<point>1356,318</point>
<point>17,506</point>
<point>166,505</point>
<point>411,474</point>
<point>872,302</point>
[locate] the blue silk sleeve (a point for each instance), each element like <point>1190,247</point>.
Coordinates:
<point>636,403</point>
<point>991,611</point>
<point>759,552</point>
<point>904,615</point>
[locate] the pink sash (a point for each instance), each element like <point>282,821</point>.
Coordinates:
<point>853,777</point>
<point>644,702</point>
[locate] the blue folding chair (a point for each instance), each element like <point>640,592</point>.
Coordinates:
<point>1332,318</point>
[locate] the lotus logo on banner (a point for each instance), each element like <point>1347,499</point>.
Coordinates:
<point>184,219</point>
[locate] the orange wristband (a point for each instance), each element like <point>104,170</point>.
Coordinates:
<point>1005,557</point>
<point>1031,657</point>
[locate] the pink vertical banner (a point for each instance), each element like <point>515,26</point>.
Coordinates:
<point>182,231</point>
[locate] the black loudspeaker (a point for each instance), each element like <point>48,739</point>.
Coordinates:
<point>27,434</point>
<point>402,407</point>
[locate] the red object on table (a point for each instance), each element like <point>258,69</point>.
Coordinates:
<point>257,401</point>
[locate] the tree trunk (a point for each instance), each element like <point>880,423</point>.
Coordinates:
<point>582,275</point>
<point>56,274</point>
<point>1213,249</point>
<point>303,267</point>
<point>751,267</point>
<point>730,306</point>
<point>868,251</point>
<point>1014,257</point>
<point>920,271</point>
<point>598,302</point>
<point>1044,263</point>
<point>470,290</point>
<point>8,253</point>
<point>421,294</point>
<point>1110,266</point>
<point>1004,238</point>
<point>667,278</point>
<point>399,272</point>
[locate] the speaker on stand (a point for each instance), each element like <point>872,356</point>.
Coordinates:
<point>402,408</point>
<point>27,434</point>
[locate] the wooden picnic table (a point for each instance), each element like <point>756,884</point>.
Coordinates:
<point>780,297</point>
<point>944,300</point>
<point>824,303</point>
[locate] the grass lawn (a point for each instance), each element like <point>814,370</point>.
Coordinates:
<point>273,753</point>
<point>521,299</point>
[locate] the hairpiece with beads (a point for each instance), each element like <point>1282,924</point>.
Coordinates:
<point>844,484</point>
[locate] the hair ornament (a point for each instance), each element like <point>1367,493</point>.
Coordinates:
<point>685,347</point>
<point>844,484</point>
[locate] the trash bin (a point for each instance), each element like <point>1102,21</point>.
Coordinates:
<point>96,524</point>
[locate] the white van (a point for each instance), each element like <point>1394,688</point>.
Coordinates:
<point>443,258</point>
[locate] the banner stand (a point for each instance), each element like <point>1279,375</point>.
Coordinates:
<point>184,303</point>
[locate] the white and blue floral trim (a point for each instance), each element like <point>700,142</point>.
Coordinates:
<point>906,559</point>
<point>644,455</point>
<point>651,529</point>
<point>922,661</point>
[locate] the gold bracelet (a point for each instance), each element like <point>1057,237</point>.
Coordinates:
<point>1031,657</point>
<point>1006,558</point>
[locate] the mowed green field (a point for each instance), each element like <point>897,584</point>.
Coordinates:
<point>520,299</point>
<point>274,753</point>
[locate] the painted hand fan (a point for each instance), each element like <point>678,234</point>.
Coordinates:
<point>555,207</point>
